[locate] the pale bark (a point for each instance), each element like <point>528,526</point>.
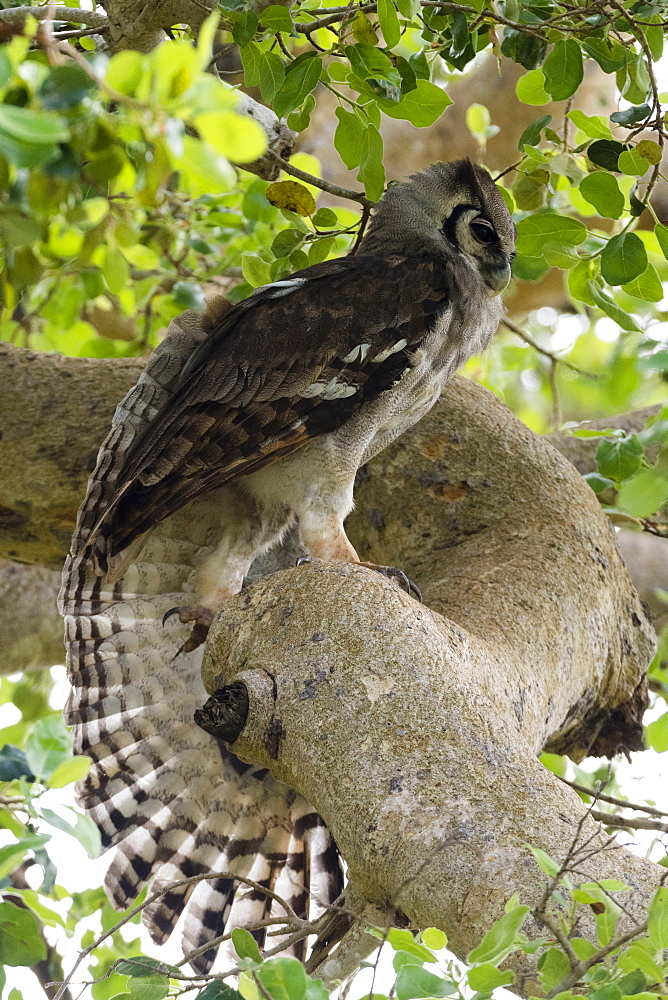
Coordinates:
<point>415,735</point>
<point>55,411</point>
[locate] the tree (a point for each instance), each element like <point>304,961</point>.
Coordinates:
<point>121,209</point>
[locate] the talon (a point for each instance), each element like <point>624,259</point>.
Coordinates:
<point>392,573</point>
<point>303,561</point>
<point>202,618</point>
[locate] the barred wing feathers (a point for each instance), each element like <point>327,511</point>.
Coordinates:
<point>258,387</point>
<point>171,799</point>
<point>206,410</point>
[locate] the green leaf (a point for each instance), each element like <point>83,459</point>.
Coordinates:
<point>537,230</point>
<point>553,965</point>
<point>499,941</point>
<point>640,955</point>
<point>532,133</point>
<point>598,482</point>
<point>631,116</point>
<point>414,982</point>
<point>656,734</point>
<point>245,944</point>
<point>599,298</point>
<point>74,769</point>
<point>389,22</point>
<point>20,940</point>
<point>48,745</point>
<point>546,863</point>
<point>272,75</point>
<point>563,69</point>
<point>434,938</point>
<point>594,126</point>
<point>65,86</point>
<point>325,218</point>
<point>610,55</point>
<point>218,991</point>
<point>18,229</point>
<point>657,362</point>
<point>369,62</point>
<point>601,190</point>
<point>14,764</point>
<point>299,120</point>
<point>372,171</point>
<point>155,988</point>
<point>647,286</point>
<point>530,88</point>
<point>276,18</point>
<point>421,107</point>
<point>115,270</point>
<point>644,493</point>
<point>283,978</point>
<point>619,458</point>
<point>349,139</point>
<point>244,26</point>
<point>631,162</point>
<point>560,255</point>
<point>13,854</point>
<point>32,127</point>
<point>402,940</point>
<point>606,152</point>
<point>485,978</point>
<point>255,270</point>
<point>235,136</point>
<point>251,57</point>
<point>657,914</point>
<point>408,8</point>
<point>606,923</point>
<point>661,233</point>
<point>301,78</point>
<point>624,258</point>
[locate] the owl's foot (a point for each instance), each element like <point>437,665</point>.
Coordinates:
<point>398,575</point>
<point>202,618</point>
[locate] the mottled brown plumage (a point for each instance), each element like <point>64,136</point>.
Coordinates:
<point>227,440</point>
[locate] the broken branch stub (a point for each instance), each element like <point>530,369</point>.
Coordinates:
<point>414,732</point>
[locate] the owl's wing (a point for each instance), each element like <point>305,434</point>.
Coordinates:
<point>290,363</point>
<point>173,801</point>
<point>294,361</point>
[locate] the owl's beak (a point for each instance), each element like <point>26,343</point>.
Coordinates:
<point>496,277</point>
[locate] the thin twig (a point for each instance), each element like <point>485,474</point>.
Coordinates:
<point>180,883</point>
<point>613,800</point>
<point>318,182</point>
<point>629,823</point>
<point>544,351</point>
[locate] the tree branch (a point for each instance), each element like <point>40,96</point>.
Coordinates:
<point>76,15</point>
<point>419,745</point>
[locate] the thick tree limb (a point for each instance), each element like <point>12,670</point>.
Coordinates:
<point>416,735</point>
<point>54,411</point>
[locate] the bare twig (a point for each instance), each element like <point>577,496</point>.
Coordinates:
<point>318,182</point>
<point>204,877</point>
<point>629,823</point>
<point>544,351</point>
<point>613,800</point>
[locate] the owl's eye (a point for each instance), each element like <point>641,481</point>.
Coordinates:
<point>483,230</point>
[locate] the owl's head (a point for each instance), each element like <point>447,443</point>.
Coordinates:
<point>449,207</point>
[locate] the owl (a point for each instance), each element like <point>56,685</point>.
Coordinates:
<point>232,436</point>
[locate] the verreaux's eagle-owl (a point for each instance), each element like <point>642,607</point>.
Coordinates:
<point>263,421</point>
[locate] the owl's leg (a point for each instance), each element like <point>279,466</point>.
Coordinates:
<point>248,530</point>
<point>323,534</point>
